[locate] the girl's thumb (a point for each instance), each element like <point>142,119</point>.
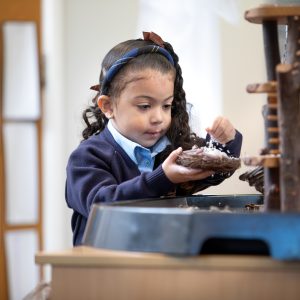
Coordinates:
<point>174,154</point>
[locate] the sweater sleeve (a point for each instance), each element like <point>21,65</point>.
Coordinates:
<point>92,178</point>
<point>232,148</point>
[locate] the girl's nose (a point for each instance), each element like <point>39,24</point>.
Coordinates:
<point>156,116</point>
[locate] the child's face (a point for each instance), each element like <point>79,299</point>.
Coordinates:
<point>142,112</point>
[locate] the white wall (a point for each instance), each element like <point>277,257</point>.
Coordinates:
<point>92,28</point>
<point>242,58</point>
<point>56,217</point>
<point>77,34</point>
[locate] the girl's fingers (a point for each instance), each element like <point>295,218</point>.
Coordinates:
<point>203,174</point>
<point>197,174</point>
<point>221,130</point>
<point>215,125</point>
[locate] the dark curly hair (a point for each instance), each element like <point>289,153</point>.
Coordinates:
<point>179,133</point>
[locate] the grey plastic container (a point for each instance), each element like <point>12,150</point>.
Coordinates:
<point>194,225</point>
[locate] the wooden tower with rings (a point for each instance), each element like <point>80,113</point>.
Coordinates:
<point>280,159</point>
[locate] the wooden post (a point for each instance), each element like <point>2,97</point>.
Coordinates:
<point>272,57</point>
<point>288,77</point>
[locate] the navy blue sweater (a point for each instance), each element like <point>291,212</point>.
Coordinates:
<point>99,170</point>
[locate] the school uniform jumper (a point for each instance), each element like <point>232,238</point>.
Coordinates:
<point>99,170</point>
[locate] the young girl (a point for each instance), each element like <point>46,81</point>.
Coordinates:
<point>136,128</point>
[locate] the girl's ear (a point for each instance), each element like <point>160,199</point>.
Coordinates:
<point>106,106</point>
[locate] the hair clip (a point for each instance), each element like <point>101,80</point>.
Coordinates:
<point>155,38</point>
<point>95,87</point>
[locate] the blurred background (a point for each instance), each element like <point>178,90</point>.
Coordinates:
<point>220,54</point>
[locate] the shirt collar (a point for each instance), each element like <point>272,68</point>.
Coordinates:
<point>129,146</point>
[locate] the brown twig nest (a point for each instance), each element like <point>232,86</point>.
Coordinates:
<point>208,159</point>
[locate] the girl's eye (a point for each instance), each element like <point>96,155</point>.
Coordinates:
<point>167,106</point>
<point>143,106</point>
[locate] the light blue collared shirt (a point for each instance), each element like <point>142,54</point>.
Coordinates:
<point>141,156</point>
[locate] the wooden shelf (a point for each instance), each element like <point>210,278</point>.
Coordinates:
<point>272,13</point>
<point>89,273</point>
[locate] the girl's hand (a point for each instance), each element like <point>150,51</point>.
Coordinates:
<point>179,174</point>
<point>221,130</point>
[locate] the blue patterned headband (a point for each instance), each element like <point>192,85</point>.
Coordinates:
<point>117,65</point>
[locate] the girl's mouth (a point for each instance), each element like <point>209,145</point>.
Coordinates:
<point>153,133</point>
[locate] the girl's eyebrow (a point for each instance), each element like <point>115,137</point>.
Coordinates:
<point>153,99</point>
<point>137,78</point>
